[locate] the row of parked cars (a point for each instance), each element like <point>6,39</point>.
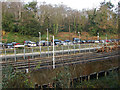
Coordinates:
<point>56,42</point>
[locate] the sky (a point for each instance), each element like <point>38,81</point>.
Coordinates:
<point>76,4</point>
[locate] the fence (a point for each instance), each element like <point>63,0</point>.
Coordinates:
<point>46,51</point>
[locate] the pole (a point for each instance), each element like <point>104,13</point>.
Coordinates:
<point>32,53</point>
<point>68,49</point>
<point>74,46</point>
<point>53,55</point>
<point>40,42</point>
<point>79,40</point>
<point>5,55</point>
<point>24,51</point>
<point>47,42</point>
<point>15,53</point>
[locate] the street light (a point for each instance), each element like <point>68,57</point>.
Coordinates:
<point>40,42</point>
<point>47,42</point>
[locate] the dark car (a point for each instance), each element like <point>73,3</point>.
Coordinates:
<point>77,40</point>
<point>57,42</point>
<point>67,41</point>
<point>9,45</point>
<point>89,41</point>
<point>26,43</point>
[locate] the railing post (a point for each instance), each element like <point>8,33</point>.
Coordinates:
<point>15,53</point>
<point>85,48</point>
<point>24,52</point>
<point>79,47</point>
<point>32,53</point>
<point>74,48</point>
<point>97,75</point>
<point>62,49</point>
<point>48,50</point>
<point>68,49</point>
<point>28,63</point>
<point>89,47</point>
<point>94,47</point>
<point>5,55</point>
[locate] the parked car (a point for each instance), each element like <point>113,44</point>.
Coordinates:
<point>14,43</point>
<point>9,45</point>
<point>76,40</point>
<point>93,41</point>
<point>1,45</point>
<point>18,45</point>
<point>96,41</point>
<point>32,44</point>
<point>68,42</point>
<point>26,42</point>
<point>57,42</point>
<point>102,41</point>
<point>42,43</point>
<point>107,41</point>
<point>89,41</point>
<point>83,41</point>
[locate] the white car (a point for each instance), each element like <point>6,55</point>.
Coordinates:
<point>96,41</point>
<point>32,44</point>
<point>16,46</point>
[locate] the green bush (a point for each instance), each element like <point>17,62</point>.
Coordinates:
<point>13,79</point>
<point>111,81</point>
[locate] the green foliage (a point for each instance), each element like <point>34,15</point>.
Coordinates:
<point>13,79</point>
<point>29,20</point>
<point>38,66</point>
<point>62,79</point>
<point>111,81</point>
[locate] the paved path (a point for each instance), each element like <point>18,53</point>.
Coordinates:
<point>42,53</point>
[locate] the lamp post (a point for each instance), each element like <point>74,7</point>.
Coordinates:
<point>47,42</point>
<point>79,40</point>
<point>40,42</point>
